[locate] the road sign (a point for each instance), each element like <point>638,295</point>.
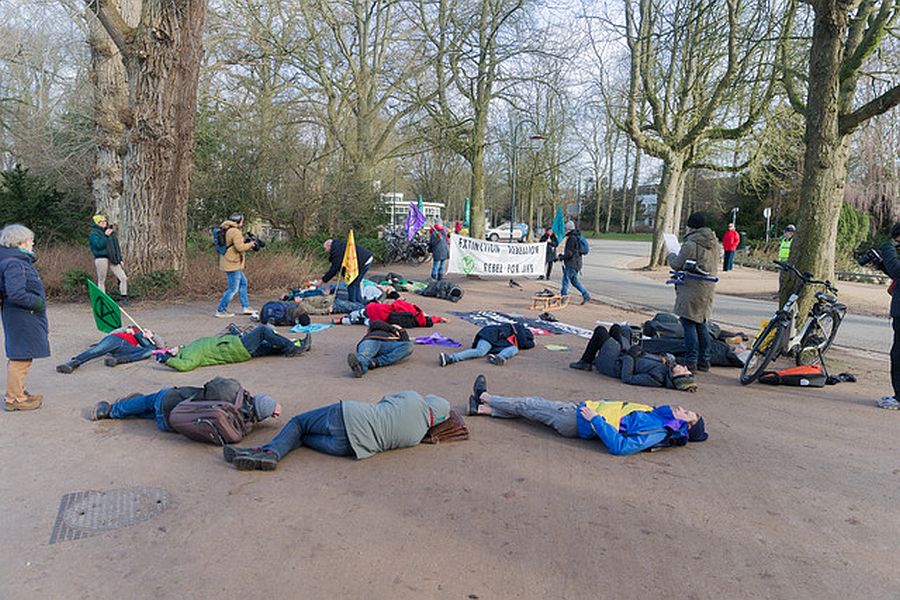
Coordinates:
<point>767,212</point>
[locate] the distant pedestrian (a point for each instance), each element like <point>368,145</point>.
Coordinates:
<point>784,248</point>
<point>572,262</point>
<point>458,227</point>
<point>233,262</point>
<point>24,314</point>
<point>107,255</point>
<point>439,246</point>
<point>549,237</point>
<point>730,242</point>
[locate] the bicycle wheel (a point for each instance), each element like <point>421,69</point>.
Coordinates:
<point>765,349</point>
<point>818,338</point>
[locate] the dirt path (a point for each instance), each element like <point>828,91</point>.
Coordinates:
<point>793,496</point>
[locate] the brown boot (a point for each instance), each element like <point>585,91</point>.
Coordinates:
<point>30,403</point>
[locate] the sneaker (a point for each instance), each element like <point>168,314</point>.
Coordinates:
<point>581,365</point>
<point>496,359</point>
<point>357,369</point>
<point>262,460</point>
<point>584,300</point>
<point>221,314</point>
<point>247,311</point>
<point>30,403</point>
<point>110,361</point>
<point>889,403</point>
<point>67,367</point>
<point>478,388</point>
<point>100,411</point>
<point>230,452</point>
<point>443,359</point>
<point>703,366</point>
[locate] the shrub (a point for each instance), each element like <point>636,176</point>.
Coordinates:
<point>52,215</point>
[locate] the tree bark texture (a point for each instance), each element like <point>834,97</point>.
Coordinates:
<point>671,188</point>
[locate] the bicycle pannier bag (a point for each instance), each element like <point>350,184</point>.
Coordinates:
<point>802,376</point>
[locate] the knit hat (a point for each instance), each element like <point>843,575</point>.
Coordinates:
<point>440,409</point>
<point>264,405</point>
<point>685,383</point>
<point>97,218</point>
<point>570,225</point>
<point>696,220</point>
<point>697,433</point>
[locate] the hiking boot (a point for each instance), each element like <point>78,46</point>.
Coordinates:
<point>444,359</point>
<point>496,359</point>
<point>67,367</point>
<point>110,361</point>
<point>221,314</point>
<point>305,344</point>
<point>231,452</point>
<point>233,329</point>
<point>101,411</point>
<point>581,365</point>
<point>29,403</point>
<point>478,388</point>
<point>703,366</point>
<point>263,460</point>
<point>355,366</point>
<point>247,311</point>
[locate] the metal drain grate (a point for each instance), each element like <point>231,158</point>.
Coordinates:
<point>83,514</point>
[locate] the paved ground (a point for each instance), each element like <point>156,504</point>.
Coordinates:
<point>609,274</point>
<point>793,496</point>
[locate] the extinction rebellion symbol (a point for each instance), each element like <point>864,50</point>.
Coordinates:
<point>468,264</point>
<point>107,312</point>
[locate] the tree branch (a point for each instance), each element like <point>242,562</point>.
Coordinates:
<point>119,31</point>
<point>883,103</point>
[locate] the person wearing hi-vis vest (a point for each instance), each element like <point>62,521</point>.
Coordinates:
<point>623,427</point>
<point>784,250</point>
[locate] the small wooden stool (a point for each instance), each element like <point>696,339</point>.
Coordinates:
<point>546,303</point>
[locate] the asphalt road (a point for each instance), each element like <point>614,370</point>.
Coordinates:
<point>607,277</point>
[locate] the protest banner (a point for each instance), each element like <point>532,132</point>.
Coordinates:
<point>480,257</point>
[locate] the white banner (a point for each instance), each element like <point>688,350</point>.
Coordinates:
<point>480,257</point>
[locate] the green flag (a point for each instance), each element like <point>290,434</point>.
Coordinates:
<point>107,314</point>
<point>468,214</point>
<point>558,224</point>
<point>421,205</point>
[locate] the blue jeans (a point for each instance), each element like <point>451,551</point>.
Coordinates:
<point>142,407</point>
<point>561,416</point>
<point>321,429</point>
<point>116,346</point>
<point>728,263</point>
<point>237,283</point>
<point>262,341</point>
<point>482,349</point>
<point>696,341</point>
<point>437,270</point>
<point>377,353</point>
<point>354,290</point>
<point>571,276</point>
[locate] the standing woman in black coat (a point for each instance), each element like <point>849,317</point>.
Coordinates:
<point>24,314</point>
<point>552,243</point>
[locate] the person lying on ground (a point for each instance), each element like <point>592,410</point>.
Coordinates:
<point>623,427</point>
<point>498,342</point>
<point>384,344</point>
<point>349,428</point>
<point>160,404</point>
<point>227,349</point>
<point>123,345</point>
<point>399,312</point>
<point>613,355</point>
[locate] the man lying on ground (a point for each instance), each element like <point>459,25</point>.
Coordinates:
<point>498,342</point>
<point>613,355</point>
<point>400,312</point>
<point>227,349</point>
<point>623,427</point>
<point>124,345</point>
<point>349,429</point>
<point>384,344</point>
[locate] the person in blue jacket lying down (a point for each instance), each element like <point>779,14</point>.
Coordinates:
<point>623,427</point>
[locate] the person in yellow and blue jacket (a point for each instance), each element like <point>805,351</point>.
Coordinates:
<point>623,427</point>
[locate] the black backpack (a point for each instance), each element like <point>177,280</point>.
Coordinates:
<point>281,313</point>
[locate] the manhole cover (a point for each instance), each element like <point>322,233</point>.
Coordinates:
<point>83,514</point>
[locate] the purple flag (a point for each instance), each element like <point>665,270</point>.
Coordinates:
<point>414,221</point>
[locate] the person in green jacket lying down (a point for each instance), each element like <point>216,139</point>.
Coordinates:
<point>227,349</point>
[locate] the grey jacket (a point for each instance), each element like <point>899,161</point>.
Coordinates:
<point>694,297</point>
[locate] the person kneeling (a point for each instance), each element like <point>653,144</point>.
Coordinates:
<point>124,345</point>
<point>623,427</point>
<point>227,349</point>
<point>349,429</point>
<point>498,342</point>
<point>384,344</point>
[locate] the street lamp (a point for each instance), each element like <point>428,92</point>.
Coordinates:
<point>515,147</point>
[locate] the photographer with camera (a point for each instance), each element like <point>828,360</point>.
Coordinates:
<point>233,262</point>
<point>886,259</point>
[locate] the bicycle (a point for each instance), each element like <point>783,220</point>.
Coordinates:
<point>780,337</point>
<point>398,248</point>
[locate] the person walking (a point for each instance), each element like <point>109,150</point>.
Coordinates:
<point>24,314</point>
<point>730,242</point>
<point>698,260</point>
<point>107,255</point>
<point>549,237</point>
<point>364,260</point>
<point>572,262</point>
<point>439,247</point>
<point>233,262</point>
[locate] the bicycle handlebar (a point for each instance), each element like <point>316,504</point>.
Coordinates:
<point>805,277</point>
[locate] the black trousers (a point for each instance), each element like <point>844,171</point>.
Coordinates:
<point>549,269</point>
<point>598,339</point>
<point>895,358</point>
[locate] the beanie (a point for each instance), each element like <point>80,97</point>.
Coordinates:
<point>696,220</point>
<point>685,383</point>
<point>570,225</point>
<point>264,405</point>
<point>97,218</point>
<point>440,409</point>
<point>697,433</point>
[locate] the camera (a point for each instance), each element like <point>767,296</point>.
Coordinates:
<point>871,257</point>
<point>260,244</point>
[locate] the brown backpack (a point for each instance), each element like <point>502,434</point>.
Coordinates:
<point>221,414</point>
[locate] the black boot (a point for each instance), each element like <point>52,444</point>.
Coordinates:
<point>68,366</point>
<point>101,411</point>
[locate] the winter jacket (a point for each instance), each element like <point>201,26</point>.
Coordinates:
<point>552,244</point>
<point>396,421</point>
<point>694,297</point>
<point>504,336</point>
<point>438,244</point>
<point>572,251</point>
<point>235,248</point>
<point>381,312</point>
<point>731,240</point>
<point>208,351</point>
<point>385,332</point>
<point>891,266</point>
<point>648,370</point>
<point>24,306</point>
<point>336,258</point>
<point>105,246</point>
<point>626,428</point>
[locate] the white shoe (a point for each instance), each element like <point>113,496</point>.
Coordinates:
<point>224,315</point>
<point>248,311</point>
<point>889,402</point>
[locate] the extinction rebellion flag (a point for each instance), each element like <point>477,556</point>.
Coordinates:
<point>107,314</point>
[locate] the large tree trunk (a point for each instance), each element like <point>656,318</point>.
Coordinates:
<point>476,218</point>
<point>635,182</point>
<point>669,194</point>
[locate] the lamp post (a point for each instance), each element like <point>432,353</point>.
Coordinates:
<point>515,141</point>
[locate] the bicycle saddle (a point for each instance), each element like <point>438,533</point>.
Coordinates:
<point>825,297</point>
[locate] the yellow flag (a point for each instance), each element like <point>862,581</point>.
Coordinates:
<point>350,266</point>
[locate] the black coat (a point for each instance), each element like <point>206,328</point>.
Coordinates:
<point>572,252</point>
<point>552,244</point>
<point>892,269</point>
<point>336,257</point>
<point>498,336</point>
<point>24,310</point>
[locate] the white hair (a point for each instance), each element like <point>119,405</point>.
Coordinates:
<point>14,235</point>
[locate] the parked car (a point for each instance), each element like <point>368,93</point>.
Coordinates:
<point>501,232</point>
